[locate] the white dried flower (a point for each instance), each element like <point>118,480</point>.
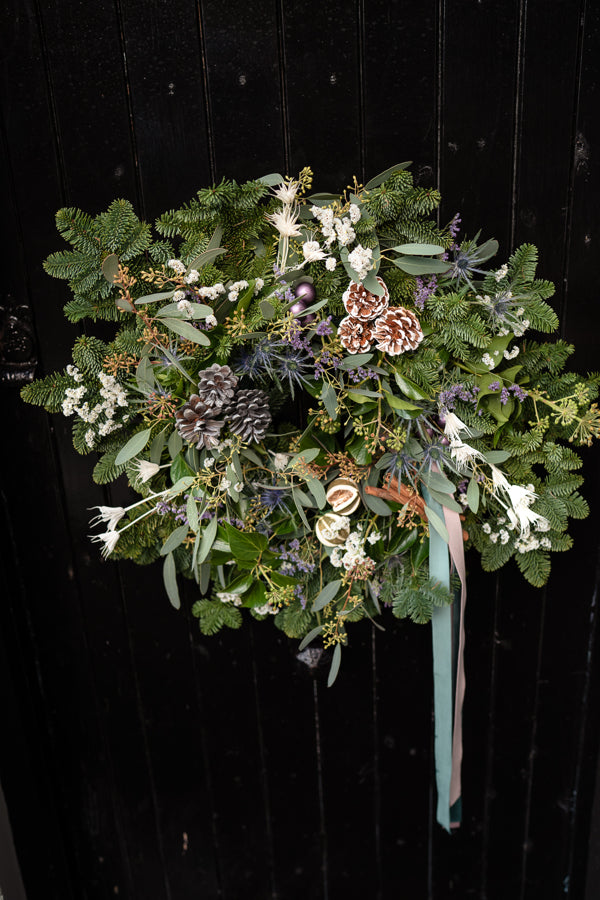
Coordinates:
<point>109,539</point>
<point>177,266</point>
<point>330,263</point>
<point>312,251</point>
<point>192,277</point>
<point>112,515</point>
<point>146,470</point>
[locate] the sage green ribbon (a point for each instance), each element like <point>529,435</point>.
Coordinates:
<point>447,661</point>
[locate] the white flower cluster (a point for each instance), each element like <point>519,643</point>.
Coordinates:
<point>226,597</point>
<point>74,372</point>
<point>266,610</point>
<point>258,285</point>
<point>177,266</point>
<point>489,361</point>
<point>211,293</point>
<point>525,542</point>
<point>354,213</point>
<point>335,228</point>
<point>211,321</point>
<point>361,260</point>
<point>353,552</point>
<point>192,277</point>
<point>234,290</point>
<point>186,307</point>
<point>511,354</point>
<point>501,273</point>
<point>311,251</point>
<point>280,461</point>
<point>330,263</point>
<point>113,395</point>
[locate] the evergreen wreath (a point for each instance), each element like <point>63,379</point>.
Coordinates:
<point>301,387</point>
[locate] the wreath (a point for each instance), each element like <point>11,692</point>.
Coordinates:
<point>321,401</point>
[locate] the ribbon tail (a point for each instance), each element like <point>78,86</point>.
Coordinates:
<point>457,554</point>
<point>441,634</point>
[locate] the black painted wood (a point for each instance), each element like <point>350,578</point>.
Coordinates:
<point>166,765</point>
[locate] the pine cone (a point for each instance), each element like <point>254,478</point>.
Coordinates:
<point>250,417</point>
<point>355,335</point>
<point>362,304</point>
<point>216,386</point>
<point>196,423</point>
<point>397,331</point>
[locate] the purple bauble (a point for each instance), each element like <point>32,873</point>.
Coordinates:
<point>306,291</point>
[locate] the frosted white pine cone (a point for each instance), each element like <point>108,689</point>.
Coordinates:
<point>397,331</point>
<point>355,336</point>
<point>362,304</point>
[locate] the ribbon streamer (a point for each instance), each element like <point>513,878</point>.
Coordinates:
<point>448,639</point>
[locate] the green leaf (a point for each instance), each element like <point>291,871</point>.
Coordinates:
<point>372,285</point>
<point>304,457</point>
<point>179,469</point>
<point>437,523</point>
<point>153,298</point>
<point>176,538</point>
<point>497,456</point>
<point>317,490</point>
<point>181,485</point>
<point>409,388</point>
<point>352,362</point>
<point>133,446</point>
<point>312,634</point>
<point>419,249</point>
<point>191,512</point>
<point>267,309</point>
<point>421,265</point>
<point>216,238</point>
<point>329,398</point>
<point>473,495</point>
<point>446,500</point>
<point>170,581</point>
<point>144,375</point>
<point>247,545</point>
<point>335,665</point>
<point>322,199</point>
<point>174,444</point>
<point>364,395</point>
<point>396,403</point>
<point>439,482</point>
<point>377,505</point>
<point>383,176</point>
<point>272,180</point>
<point>110,268</point>
<point>326,595</point>
<point>209,532</point>
<point>205,258</point>
<point>157,446</point>
<point>187,331</point>
<point>199,311</point>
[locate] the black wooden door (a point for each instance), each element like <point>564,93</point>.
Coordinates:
<point>141,759</point>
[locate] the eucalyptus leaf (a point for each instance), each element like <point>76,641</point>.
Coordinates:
<point>298,506</point>
<point>446,500</point>
<point>215,240</point>
<point>205,258</point>
<point>497,456</point>
<point>312,634</point>
<point>174,444</point>
<point>274,178</point>
<point>335,665</point>
<point>191,512</point>
<point>383,176</point>
<point>304,456</point>
<point>144,375</point>
<point>421,265</point>
<point>326,595</point>
<point>187,331</point>
<point>153,298</point>
<point>473,495</point>
<point>353,362</point>
<point>419,249</point>
<point>157,446</point>
<point>374,286</point>
<point>329,398</point>
<point>170,581</point>
<point>209,532</point>
<point>176,538</point>
<point>133,446</point>
<point>267,309</point>
<point>317,490</point>
<point>436,522</point>
<point>110,268</point>
<point>181,485</point>
<point>198,310</point>
<point>438,482</point>
<point>377,505</point>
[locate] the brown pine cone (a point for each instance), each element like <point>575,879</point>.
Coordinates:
<point>354,335</point>
<point>250,417</point>
<point>397,331</point>
<point>216,385</point>
<point>196,423</point>
<point>362,304</point>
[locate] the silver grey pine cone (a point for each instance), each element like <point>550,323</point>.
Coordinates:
<point>216,385</point>
<point>250,417</point>
<point>197,424</point>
